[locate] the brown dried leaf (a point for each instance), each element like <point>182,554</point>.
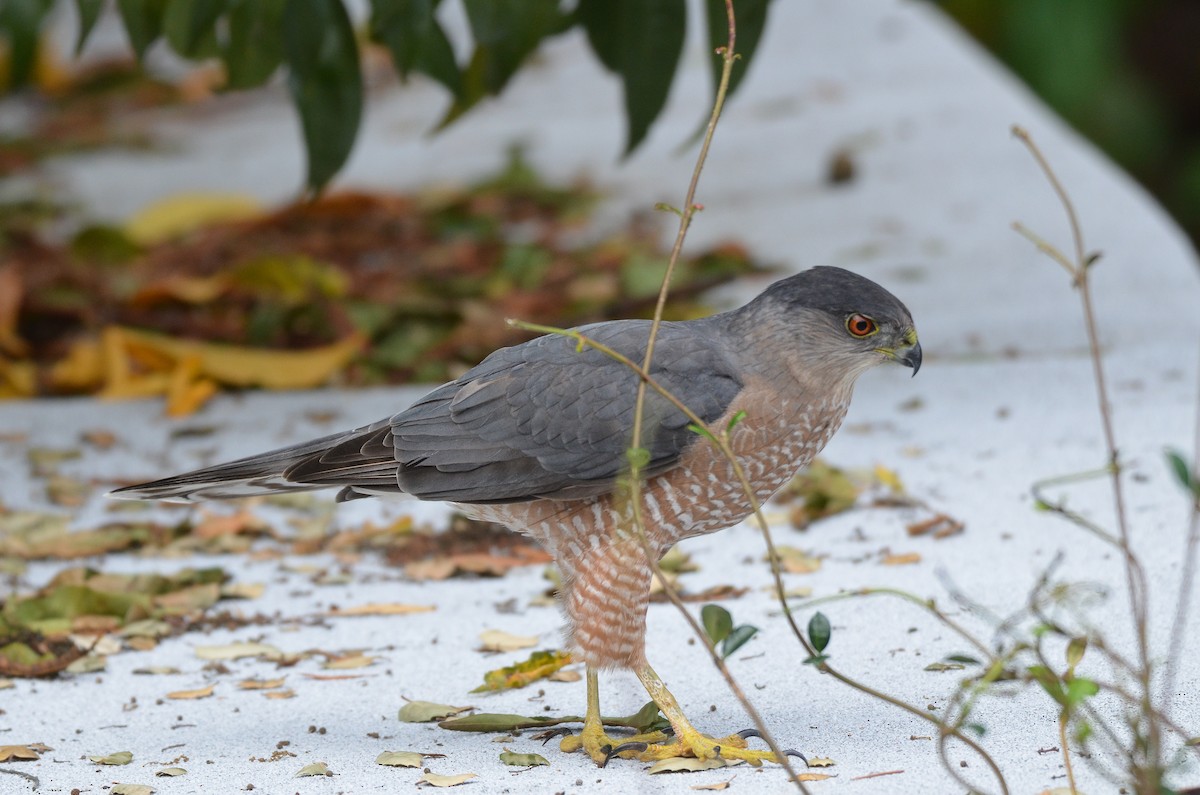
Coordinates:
<point>904,559</point>
<point>191,695</point>
<point>379,609</point>
<point>12,753</point>
<point>279,695</point>
<point>797,561</point>
<point>717,786</point>
<point>499,641</point>
<point>261,684</point>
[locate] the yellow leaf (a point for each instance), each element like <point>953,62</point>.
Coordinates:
<point>349,661</point>
<point>717,786</point>
<point>539,665</point>
<point>261,684</point>
<point>17,379</point>
<point>821,761</point>
<point>234,365</point>
<point>889,478</point>
<point>380,609</point>
<point>901,560</point>
<point>496,640</point>
<point>438,780</point>
<point>315,769</point>
<point>177,215</point>
<point>82,369</point>
<point>9,753</point>
<point>191,695</point>
<point>280,694</point>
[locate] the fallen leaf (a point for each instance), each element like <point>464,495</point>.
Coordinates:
<point>437,780</point>
<point>6,684</point>
<point>10,753</point>
<point>399,759</point>
<point>426,711</point>
<point>904,559</point>
<point>236,651</point>
<point>815,776</point>
<point>565,676</point>
<point>796,561</point>
<point>243,590</point>
<point>315,769</point>
<point>539,665</point>
<point>717,786</point>
<point>348,662</point>
<point>191,695</point>
<point>261,684</point>
<point>170,772</point>
<point>689,764</point>
<point>821,761</point>
<point>497,640</point>
<point>279,695</point>
<point>100,439</point>
<point>176,215</point>
<point>131,789</point>
<point>522,760</point>
<point>118,758</point>
<point>157,670</point>
<point>941,666</point>
<point>378,609</point>
<point>820,490</point>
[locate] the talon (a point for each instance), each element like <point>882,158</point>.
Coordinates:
<point>746,734</point>
<point>549,734</point>
<point>610,751</point>
<point>797,754</point>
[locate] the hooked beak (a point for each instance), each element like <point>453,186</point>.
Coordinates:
<point>910,357</point>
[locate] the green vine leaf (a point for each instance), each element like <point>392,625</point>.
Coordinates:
<point>641,42</point>
<point>819,631</point>
<point>326,84</point>
<point>417,43</point>
<point>717,622</point>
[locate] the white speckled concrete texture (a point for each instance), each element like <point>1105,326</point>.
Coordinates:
<point>1006,397</point>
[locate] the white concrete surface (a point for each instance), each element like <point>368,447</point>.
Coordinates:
<point>1006,398</point>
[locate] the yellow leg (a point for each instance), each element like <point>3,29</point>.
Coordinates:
<point>593,739</point>
<point>689,741</point>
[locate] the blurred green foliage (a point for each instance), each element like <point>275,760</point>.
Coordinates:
<point>1125,73</point>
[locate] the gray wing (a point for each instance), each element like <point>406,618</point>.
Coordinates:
<point>541,419</point>
<point>544,419</point>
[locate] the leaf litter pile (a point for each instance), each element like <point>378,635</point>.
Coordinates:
<point>354,288</point>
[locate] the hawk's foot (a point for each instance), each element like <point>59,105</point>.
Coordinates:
<point>701,746</point>
<point>601,747</point>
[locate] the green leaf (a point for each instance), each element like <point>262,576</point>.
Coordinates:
<point>1183,473</point>
<point>816,659</point>
<point>143,22</point>
<point>190,26</point>
<point>505,32</point>
<point>118,758</point>
<point>495,722</point>
<point>819,631</point>
<point>410,31</point>
<point>717,622</point>
<point>89,12</point>
<point>325,81</point>
<point>21,24</point>
<point>737,639</point>
<point>426,711</point>
<point>965,659</point>
<point>522,760</point>
<point>255,45</point>
<point>1079,689</point>
<point>1075,651</point>
<point>640,40</point>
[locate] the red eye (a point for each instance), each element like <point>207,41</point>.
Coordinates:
<point>861,326</point>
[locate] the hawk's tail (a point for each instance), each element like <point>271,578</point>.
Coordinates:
<point>361,461</point>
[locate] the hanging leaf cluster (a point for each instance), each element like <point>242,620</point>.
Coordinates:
<point>315,44</point>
